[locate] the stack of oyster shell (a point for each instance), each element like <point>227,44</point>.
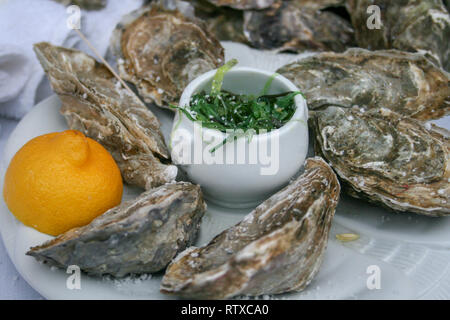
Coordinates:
<point>370,95</point>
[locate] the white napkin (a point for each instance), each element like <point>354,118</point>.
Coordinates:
<point>25,22</point>
<point>14,72</point>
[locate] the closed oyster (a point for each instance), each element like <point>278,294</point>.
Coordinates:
<point>387,158</point>
<point>225,24</point>
<point>161,50</point>
<point>244,4</point>
<point>321,4</point>
<point>139,236</point>
<point>404,82</point>
<point>85,4</point>
<point>294,27</point>
<point>409,25</point>
<point>277,248</point>
<point>94,103</point>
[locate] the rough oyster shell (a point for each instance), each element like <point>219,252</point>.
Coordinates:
<point>409,25</point>
<point>85,4</point>
<point>161,50</point>
<point>225,23</point>
<point>139,236</point>
<point>244,4</point>
<point>94,103</point>
<point>387,158</point>
<point>291,26</point>
<point>404,82</point>
<point>276,248</point>
<point>321,4</point>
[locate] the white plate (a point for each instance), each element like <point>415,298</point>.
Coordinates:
<point>412,252</point>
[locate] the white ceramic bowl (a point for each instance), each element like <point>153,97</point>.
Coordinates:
<point>271,159</point>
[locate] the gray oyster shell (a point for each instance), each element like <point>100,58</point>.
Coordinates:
<point>277,248</point>
<point>162,50</point>
<point>387,158</point>
<point>227,25</point>
<point>224,23</point>
<point>94,103</point>
<point>139,236</point>
<point>244,4</point>
<point>409,25</point>
<point>290,26</point>
<point>401,81</point>
<point>85,4</point>
<point>320,4</point>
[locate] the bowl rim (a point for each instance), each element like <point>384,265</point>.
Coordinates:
<point>300,114</point>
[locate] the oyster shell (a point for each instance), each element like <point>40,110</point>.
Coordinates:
<point>408,25</point>
<point>321,4</point>
<point>139,236</point>
<point>404,82</point>
<point>225,24</point>
<point>85,4</point>
<point>94,103</point>
<point>244,4</point>
<point>277,248</point>
<point>387,158</point>
<point>291,26</point>
<point>161,50</point>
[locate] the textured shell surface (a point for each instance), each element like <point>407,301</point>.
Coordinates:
<point>85,4</point>
<point>227,25</point>
<point>94,103</point>
<point>321,4</point>
<point>160,49</point>
<point>224,23</point>
<point>139,236</point>
<point>401,81</point>
<point>276,248</point>
<point>244,4</point>
<point>409,25</point>
<point>387,158</point>
<point>292,26</point>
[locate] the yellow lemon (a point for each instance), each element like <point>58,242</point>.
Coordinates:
<point>61,180</point>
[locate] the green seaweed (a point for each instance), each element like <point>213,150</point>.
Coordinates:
<point>222,110</point>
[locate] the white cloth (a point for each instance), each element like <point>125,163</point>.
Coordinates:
<point>25,22</point>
